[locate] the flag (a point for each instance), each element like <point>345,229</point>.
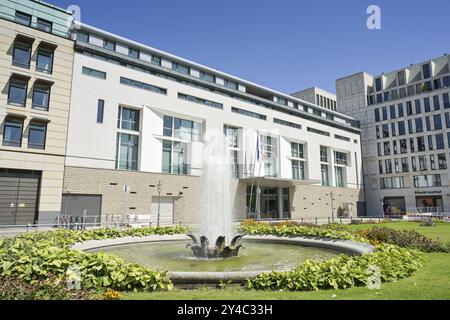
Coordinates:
<point>258,151</point>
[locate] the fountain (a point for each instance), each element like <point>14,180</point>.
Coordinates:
<point>215,214</point>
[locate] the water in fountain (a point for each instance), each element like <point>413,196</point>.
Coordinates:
<point>215,214</point>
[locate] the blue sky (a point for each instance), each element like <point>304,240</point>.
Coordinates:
<point>286,45</point>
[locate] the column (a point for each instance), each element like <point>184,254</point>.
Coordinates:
<point>280,202</point>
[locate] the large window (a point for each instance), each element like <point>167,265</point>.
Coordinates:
<point>340,158</point>
<point>298,163</point>
<point>12,133</point>
<point>401,128</point>
<point>44,61</point>
<point>23,18</point>
<point>232,135</point>
<point>324,154</point>
<point>17,92</point>
<point>270,151</point>
<point>426,71</point>
<point>180,68</point>
<point>425,181</point>
<point>442,161</point>
<point>392,183</point>
<point>440,141</point>
<point>437,122</point>
<point>446,99</point>
<point>41,96</point>
<point>44,25</point>
<point>419,125</point>
<point>340,177</point>
<point>36,136</point>
<point>325,175</point>
<point>22,54</point>
<point>421,144</point>
<point>127,151</point>
<point>436,102</point>
<point>174,159</point>
<point>181,129</point>
<point>128,119</point>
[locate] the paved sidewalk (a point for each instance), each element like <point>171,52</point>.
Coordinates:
<point>14,231</point>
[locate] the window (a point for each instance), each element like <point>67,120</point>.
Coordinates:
<point>440,141</point>
<point>339,172</point>
<point>379,98</point>
<point>400,110</point>
<point>447,120</point>
<point>270,151</point>
<point>282,101</point>
<point>380,153</point>
<point>411,90</point>
<point>430,143</point>
<point>426,71</point>
<point>410,127</point>
<point>17,92</point>
<point>421,144</point>
<point>427,104</point>
<point>180,68</point>
<point>401,128</point>
<point>380,166</point>
<point>181,129</point>
<point>93,73</point>
<point>22,54</point>
<point>387,148</point>
<point>133,53</point>
<point>100,110</point>
<point>437,84</point>
<point>127,151</point>
<point>385,128</point>
<point>428,123</point>
<point>23,18</point>
<point>411,145</point>
<point>36,136</point>
<point>336,136</point>
<point>377,130</point>
<point>418,106</point>
<point>423,163</point>
<point>288,124</point>
<point>392,183</point>
<point>436,103</point>
<point>12,133</point>
<point>401,76</point>
<point>385,113</point>
<point>409,108</point>
<point>442,161</point>
<point>109,45</point>
<point>396,166</point>
<point>446,99</point>
<point>394,147</point>
<point>44,61</point>
<point>41,96</point>
<point>82,36</point>
<point>432,162</point>
<point>405,166</point>
<point>298,170</point>
<point>44,25</point>
<point>232,135</point>
<point>437,122</point>
<point>378,84</point>
<point>323,154</point>
<point>388,166</point>
<point>414,164</point>
<point>207,77</point>
<point>419,125</point>
<point>392,111</point>
<point>205,102</point>
<point>128,119</point>
<point>325,177</point>
<point>426,181</point>
<point>174,157</point>
<point>231,84</point>
<point>297,150</point>
<point>248,113</point>
<point>142,85</point>
<point>403,146</point>
<point>340,158</point>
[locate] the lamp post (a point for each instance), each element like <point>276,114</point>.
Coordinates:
<point>332,205</point>
<point>159,185</point>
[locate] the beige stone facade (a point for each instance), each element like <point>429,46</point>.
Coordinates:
<point>50,161</point>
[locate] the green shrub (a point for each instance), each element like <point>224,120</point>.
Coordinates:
<point>428,222</point>
<point>405,239</point>
<point>34,256</point>
<point>343,272</point>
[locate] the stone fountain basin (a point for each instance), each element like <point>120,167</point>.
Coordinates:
<point>191,278</point>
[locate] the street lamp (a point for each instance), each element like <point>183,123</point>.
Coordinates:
<point>159,185</point>
<point>332,205</point>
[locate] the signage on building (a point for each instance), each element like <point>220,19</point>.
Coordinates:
<point>429,192</point>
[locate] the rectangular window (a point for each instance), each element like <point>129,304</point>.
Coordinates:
<point>127,151</point>
<point>419,125</point>
<point>380,152</point>
<point>411,145</point>
<point>23,18</point>
<point>388,166</point>
<point>403,146</point>
<point>17,92</point>
<point>440,142</point>
<point>393,127</point>
<point>142,85</point>
<point>430,143</point>
<point>44,25</point>
<point>401,128</point>
<point>249,113</point>
<point>411,90</point>
<point>442,161</point>
<point>231,84</point>
<point>379,98</point>
<point>180,68</point>
<point>181,129</point>
<point>432,162</point>
<point>378,86</point>
<point>427,181</point>
<point>447,120</point>
<point>109,45</point>
<point>100,110</point>
<point>287,123</point>
<point>401,77</point>
<point>174,158</point>
<point>93,73</point>
<point>396,166</point>
<point>44,62</point>
<point>410,127</point>
<point>385,129</point>
<point>380,167</point>
<point>423,163</point>
<point>405,166</point>
<point>12,133</point>
<point>426,71</point>
<point>83,36</point>
<point>418,106</point>
<point>22,54</point>
<point>323,154</point>
<point>446,99</point>
<point>385,113</point>
<point>421,144</point>
<point>340,177</point>
<point>437,84</point>
<point>270,149</point>
<point>387,148</point>
<point>207,77</point>
<point>414,164</point>
<point>401,113</point>
<point>325,175</point>
<point>437,122</point>
<point>392,111</point>
<point>436,102</point>
<point>133,53</point>
<point>394,147</point>
<point>298,170</point>
<point>446,81</point>
<point>41,97</point>
<point>409,110</point>
<point>392,183</point>
<point>377,132</point>
<point>340,158</point>
<point>427,104</point>
<point>232,135</point>
<point>128,119</point>
<point>428,123</point>
<point>205,102</point>
<point>36,136</point>
<point>377,115</point>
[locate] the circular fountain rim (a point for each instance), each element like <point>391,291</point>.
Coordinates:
<point>345,246</point>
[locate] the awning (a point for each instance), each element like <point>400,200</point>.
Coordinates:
<point>24,38</point>
<point>44,82</point>
<point>273,182</point>
<point>48,45</point>
<point>20,76</point>
<point>40,118</point>
<point>15,115</point>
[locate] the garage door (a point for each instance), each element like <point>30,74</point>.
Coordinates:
<point>166,211</point>
<point>77,205</point>
<point>19,191</point>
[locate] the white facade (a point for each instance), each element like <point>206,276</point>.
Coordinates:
<point>318,96</point>
<point>94,145</point>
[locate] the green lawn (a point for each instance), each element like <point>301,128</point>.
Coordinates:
<point>431,282</point>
